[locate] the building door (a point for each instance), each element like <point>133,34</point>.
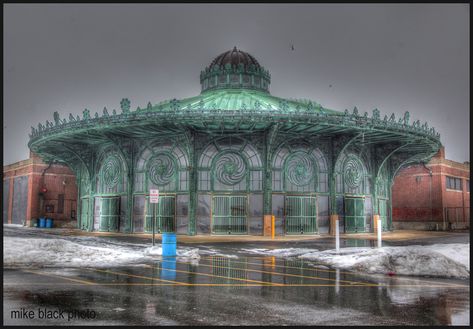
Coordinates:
<point>84,213</point>
<point>383,213</point>
<point>164,214</point>
<point>109,214</point>
<point>354,214</point>
<point>229,214</point>
<point>6,199</point>
<point>20,199</point>
<point>300,214</point>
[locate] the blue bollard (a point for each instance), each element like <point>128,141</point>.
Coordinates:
<point>169,244</point>
<point>42,222</point>
<point>49,222</point>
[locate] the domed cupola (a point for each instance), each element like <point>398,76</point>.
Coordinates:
<point>235,69</point>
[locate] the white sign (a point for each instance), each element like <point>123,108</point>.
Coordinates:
<point>153,196</point>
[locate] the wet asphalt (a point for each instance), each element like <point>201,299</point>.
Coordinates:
<point>216,290</point>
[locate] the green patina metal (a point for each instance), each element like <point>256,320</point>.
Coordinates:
<point>354,215</point>
<point>233,142</point>
<point>230,214</point>
<point>163,214</point>
<point>300,214</point>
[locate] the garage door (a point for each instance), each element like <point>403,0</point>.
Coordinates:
<point>229,214</point>
<point>163,212</point>
<point>300,214</point>
<point>354,215</point>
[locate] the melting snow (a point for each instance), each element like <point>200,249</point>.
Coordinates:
<point>285,252</point>
<point>39,252</point>
<point>439,260</point>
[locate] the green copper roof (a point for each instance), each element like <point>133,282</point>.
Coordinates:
<point>243,99</point>
<point>235,99</point>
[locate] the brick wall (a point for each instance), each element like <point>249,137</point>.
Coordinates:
<point>421,197</point>
<point>58,179</point>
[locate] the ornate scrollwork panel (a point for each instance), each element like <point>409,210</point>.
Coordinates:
<point>353,172</point>
<point>161,169</point>
<point>300,169</point>
<point>111,171</point>
<point>230,168</point>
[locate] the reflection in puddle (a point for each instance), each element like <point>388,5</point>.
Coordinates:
<point>168,268</point>
<point>211,290</point>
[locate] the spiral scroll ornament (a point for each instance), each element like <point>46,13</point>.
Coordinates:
<point>111,171</point>
<point>300,169</point>
<point>353,172</point>
<point>230,168</point>
<point>161,169</point>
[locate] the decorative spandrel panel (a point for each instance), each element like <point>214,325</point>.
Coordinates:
<point>382,183</point>
<point>112,175</point>
<point>84,182</point>
<point>299,169</point>
<point>351,175</point>
<point>162,166</point>
<point>230,164</point>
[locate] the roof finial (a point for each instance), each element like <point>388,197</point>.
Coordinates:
<point>234,48</point>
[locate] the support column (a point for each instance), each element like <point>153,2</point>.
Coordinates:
<point>375,205</point>
<point>130,188</point>
<point>129,214</point>
<point>93,188</point>
<point>333,205</point>
<point>79,200</point>
<point>267,180</point>
<point>191,229</point>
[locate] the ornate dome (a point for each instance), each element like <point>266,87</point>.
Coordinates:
<point>235,69</point>
<point>234,57</point>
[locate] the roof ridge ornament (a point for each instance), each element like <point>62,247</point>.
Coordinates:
<point>125,105</point>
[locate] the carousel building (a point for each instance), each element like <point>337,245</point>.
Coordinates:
<point>231,156</point>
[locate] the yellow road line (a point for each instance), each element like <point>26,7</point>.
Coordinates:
<point>445,284</point>
<point>214,275</point>
<point>136,276</point>
<point>59,276</point>
<point>276,273</point>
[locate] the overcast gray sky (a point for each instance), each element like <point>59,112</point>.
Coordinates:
<point>394,57</point>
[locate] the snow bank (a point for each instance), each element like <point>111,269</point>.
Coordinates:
<point>285,252</point>
<point>37,252</point>
<point>439,260</point>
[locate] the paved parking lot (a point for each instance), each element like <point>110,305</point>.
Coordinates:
<point>224,291</point>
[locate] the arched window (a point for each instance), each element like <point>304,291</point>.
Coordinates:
<point>162,165</point>
<point>351,175</point>
<point>111,178</point>
<point>230,164</point>
<point>299,167</point>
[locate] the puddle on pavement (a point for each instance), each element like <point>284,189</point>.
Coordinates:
<point>175,291</point>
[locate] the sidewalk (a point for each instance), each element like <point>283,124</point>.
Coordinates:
<point>398,235</point>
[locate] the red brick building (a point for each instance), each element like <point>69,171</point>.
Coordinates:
<point>434,196</point>
<point>24,197</point>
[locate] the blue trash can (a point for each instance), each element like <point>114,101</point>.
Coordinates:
<point>169,244</point>
<point>42,222</point>
<point>49,222</point>
<point>168,268</point>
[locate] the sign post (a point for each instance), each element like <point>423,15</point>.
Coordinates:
<point>153,199</point>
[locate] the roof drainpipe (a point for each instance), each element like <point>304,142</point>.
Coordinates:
<point>430,194</point>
